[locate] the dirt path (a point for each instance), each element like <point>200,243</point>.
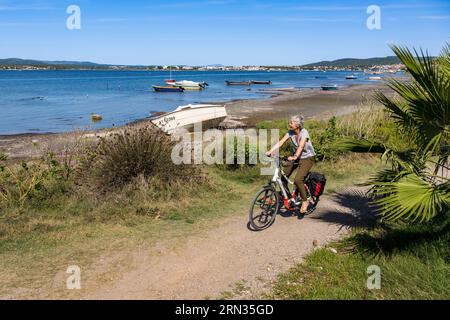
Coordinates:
<point>231,261</point>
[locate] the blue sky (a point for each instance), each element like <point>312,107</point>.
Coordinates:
<point>230,32</point>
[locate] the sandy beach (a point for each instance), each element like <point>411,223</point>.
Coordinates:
<point>241,113</point>
<point>310,102</point>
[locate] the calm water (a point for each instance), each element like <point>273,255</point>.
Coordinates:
<point>58,101</point>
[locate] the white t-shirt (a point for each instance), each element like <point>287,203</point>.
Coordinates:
<point>308,150</point>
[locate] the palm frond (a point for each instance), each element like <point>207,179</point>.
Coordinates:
<point>412,197</point>
<point>444,59</point>
<point>385,175</point>
<point>424,111</point>
<point>360,146</point>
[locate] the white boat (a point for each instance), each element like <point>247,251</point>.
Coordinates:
<point>186,116</point>
<point>374,78</point>
<point>188,85</point>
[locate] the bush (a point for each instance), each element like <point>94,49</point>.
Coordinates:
<point>324,138</point>
<point>250,151</point>
<point>27,180</point>
<point>122,157</point>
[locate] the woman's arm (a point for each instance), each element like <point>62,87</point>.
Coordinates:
<point>299,151</point>
<point>278,144</point>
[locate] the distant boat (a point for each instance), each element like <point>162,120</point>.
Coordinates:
<point>351,77</point>
<point>260,82</point>
<point>329,87</point>
<point>168,89</point>
<point>238,83</point>
<point>374,78</point>
<point>320,77</point>
<point>186,116</point>
<point>170,81</point>
<point>190,85</point>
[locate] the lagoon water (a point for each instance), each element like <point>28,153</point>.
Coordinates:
<point>59,101</point>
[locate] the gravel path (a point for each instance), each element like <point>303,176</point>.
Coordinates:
<point>231,261</point>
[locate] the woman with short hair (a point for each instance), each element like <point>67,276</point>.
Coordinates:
<point>303,156</point>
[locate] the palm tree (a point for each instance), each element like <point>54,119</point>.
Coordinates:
<point>415,186</point>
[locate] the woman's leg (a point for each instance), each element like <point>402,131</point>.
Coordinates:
<point>303,169</point>
<point>288,167</point>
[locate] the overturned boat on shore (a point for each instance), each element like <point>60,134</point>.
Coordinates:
<point>184,117</point>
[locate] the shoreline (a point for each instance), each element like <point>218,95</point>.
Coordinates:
<point>282,103</point>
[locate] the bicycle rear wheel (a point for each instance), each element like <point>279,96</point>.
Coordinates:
<point>264,208</point>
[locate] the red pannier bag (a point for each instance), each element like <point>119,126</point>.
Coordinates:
<point>316,184</point>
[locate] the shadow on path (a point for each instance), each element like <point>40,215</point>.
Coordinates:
<point>348,208</point>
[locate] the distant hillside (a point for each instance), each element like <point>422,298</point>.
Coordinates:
<point>355,62</point>
<point>28,62</point>
<point>60,64</point>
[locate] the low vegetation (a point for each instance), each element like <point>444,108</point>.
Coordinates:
<point>413,258</point>
<point>124,192</point>
<point>66,201</point>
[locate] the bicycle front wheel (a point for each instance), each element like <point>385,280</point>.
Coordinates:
<point>264,208</point>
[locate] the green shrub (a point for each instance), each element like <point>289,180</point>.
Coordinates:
<point>22,182</point>
<point>250,152</point>
<point>122,157</point>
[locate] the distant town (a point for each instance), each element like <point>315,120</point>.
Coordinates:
<point>372,65</point>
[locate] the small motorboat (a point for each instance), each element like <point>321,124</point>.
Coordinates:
<point>190,85</point>
<point>238,83</point>
<point>351,77</point>
<point>329,87</point>
<point>374,78</point>
<point>168,89</point>
<point>260,82</point>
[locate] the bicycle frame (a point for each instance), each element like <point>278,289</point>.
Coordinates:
<point>276,179</point>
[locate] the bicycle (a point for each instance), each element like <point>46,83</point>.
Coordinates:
<point>268,202</point>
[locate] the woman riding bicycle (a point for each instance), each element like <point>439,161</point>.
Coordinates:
<point>303,156</point>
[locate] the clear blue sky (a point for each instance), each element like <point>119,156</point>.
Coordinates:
<point>230,32</point>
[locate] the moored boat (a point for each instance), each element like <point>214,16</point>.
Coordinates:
<point>186,116</point>
<point>329,87</point>
<point>168,89</point>
<point>260,82</point>
<point>190,88</point>
<point>190,85</point>
<point>351,77</point>
<point>237,83</point>
<point>374,78</point>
